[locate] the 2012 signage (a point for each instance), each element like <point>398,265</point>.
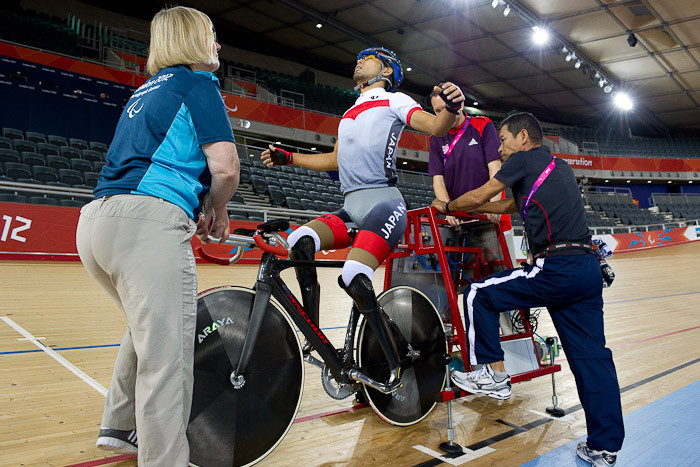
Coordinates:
<point>12,226</point>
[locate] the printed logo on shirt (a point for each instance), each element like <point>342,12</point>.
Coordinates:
<point>473,142</point>
<point>445,148</point>
<point>132,110</point>
<point>388,159</point>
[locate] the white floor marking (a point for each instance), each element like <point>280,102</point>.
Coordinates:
<point>468,455</point>
<point>75,370</point>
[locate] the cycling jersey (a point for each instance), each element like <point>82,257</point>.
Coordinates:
<point>368,137</point>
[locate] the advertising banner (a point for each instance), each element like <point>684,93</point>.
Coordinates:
<point>37,232</point>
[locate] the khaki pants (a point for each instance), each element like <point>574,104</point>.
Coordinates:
<point>138,249</point>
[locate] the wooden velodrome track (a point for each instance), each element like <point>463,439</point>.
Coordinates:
<point>50,416</point>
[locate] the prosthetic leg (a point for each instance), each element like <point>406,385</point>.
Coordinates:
<point>362,293</point>
<point>304,249</point>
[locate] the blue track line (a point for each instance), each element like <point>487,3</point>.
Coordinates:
<point>62,348</point>
<point>652,298</point>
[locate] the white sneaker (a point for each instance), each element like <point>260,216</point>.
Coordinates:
<point>482,381</point>
<point>596,458</point>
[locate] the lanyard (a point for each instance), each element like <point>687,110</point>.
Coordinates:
<point>537,184</point>
<point>454,141</point>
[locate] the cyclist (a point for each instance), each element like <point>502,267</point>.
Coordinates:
<point>365,156</point>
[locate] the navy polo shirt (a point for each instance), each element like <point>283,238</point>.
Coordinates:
<point>156,150</point>
<point>556,212</point>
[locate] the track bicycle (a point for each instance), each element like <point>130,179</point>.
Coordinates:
<point>248,361</point>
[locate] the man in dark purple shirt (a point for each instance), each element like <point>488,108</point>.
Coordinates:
<point>471,162</point>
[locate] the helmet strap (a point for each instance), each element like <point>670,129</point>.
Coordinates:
<point>379,77</point>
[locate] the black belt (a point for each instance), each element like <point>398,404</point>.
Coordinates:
<point>565,249</point>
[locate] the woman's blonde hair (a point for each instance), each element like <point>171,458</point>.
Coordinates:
<point>180,36</point>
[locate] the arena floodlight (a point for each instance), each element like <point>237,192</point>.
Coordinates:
<point>623,101</point>
<point>540,36</point>
<point>506,11</point>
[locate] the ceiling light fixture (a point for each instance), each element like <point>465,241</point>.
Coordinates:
<point>602,82</point>
<point>475,103</point>
<point>409,68</point>
<point>597,75</point>
<point>319,25</point>
<point>577,65</point>
<point>494,3</point>
<point>623,101</point>
<point>540,36</point>
<point>632,39</point>
<point>506,11</point>
<point>607,89</point>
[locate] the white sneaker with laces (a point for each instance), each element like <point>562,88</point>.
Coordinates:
<point>482,381</point>
<point>596,458</point>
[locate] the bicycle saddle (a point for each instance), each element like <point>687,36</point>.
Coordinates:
<point>274,225</point>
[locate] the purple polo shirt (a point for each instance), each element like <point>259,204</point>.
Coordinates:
<point>466,167</point>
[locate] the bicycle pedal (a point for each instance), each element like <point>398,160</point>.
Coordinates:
<point>313,360</point>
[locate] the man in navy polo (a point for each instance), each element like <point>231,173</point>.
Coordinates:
<point>566,278</point>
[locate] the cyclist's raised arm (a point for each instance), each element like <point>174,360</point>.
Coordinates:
<point>439,125</point>
<point>320,162</point>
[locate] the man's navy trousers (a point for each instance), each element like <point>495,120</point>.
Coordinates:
<point>570,286</point>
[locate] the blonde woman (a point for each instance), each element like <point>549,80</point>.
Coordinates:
<point>172,149</point>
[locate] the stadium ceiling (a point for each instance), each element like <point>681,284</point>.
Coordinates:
<point>492,55</point>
